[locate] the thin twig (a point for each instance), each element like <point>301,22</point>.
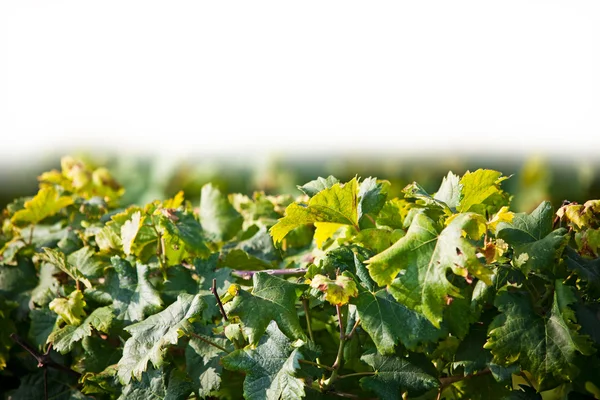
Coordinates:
<point>357,374</point>
<point>349,336</point>
<point>316,364</point>
<point>31,234</point>
<point>289,271</point>
<point>308,324</point>
<point>43,360</point>
<point>213,289</point>
<point>209,342</point>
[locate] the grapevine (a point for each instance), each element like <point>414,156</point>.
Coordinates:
<point>338,292</point>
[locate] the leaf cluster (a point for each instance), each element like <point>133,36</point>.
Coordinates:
<point>341,292</point>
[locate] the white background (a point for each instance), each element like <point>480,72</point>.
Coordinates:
<point>259,77</point>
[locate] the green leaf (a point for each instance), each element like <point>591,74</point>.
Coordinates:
<point>132,293</point>
<point>59,260</point>
<point>389,322</point>
<point>415,191</point>
<point>394,212</point>
<point>587,270</point>
<point>155,385</point>
<point>71,308</point>
<point>425,256</point>
<point>207,271</point>
<point>545,345</point>
<point>395,375</point>
<point>372,195</point>
<point>43,322</point>
<point>85,261</point>
<point>8,327</point>
<point>45,203</point>
<point>184,228</point>
<point>203,364</point>
<point>150,337</point>
<point>450,191</point>
<point>129,230</point>
<point>218,217</point>
<point>47,287</point>
<point>64,338</point>
<point>338,204</point>
<point>272,299</point>
<point>536,245</point>
<point>479,186</point>
<point>270,368</point>
<point>313,187</point>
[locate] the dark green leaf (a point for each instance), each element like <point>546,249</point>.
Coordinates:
<point>270,368</point>
<point>272,299</point>
<point>395,375</point>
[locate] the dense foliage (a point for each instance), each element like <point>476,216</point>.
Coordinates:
<point>340,292</point>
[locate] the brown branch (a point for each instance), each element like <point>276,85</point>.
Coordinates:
<point>249,274</point>
<point>213,289</point>
<point>44,360</point>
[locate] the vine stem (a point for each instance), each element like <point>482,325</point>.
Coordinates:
<point>249,274</point>
<point>368,373</point>
<point>44,360</point>
<point>213,289</point>
<point>316,364</point>
<point>308,323</point>
<point>31,234</point>
<point>339,358</point>
<point>210,342</point>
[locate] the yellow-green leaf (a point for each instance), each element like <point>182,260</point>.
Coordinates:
<point>337,204</point>
<point>338,291</point>
<point>45,203</point>
<point>478,186</point>
<point>71,308</point>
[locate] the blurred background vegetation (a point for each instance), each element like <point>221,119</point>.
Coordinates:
<point>147,178</point>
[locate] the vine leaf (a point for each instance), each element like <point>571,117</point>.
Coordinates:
<point>45,203</point>
<point>536,245</point>
<point>545,345</point>
<point>315,186</point>
<point>338,291</point>
<point>588,270</point>
<point>203,364</point>
<point>151,336</point>
<point>270,368</point>
<point>425,255</point>
<point>154,385</point>
<point>218,217</point>
<point>132,293</point>
<point>272,299</point>
<point>59,260</point>
<point>395,375</point>
<point>85,261</point>
<point>479,186</point>
<point>129,231</point>
<point>70,309</point>
<point>337,204</point>
<point>372,195</point>
<point>64,338</point>
<point>389,322</point>
<point>450,191</point>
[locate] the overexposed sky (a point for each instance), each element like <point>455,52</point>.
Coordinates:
<point>325,77</point>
